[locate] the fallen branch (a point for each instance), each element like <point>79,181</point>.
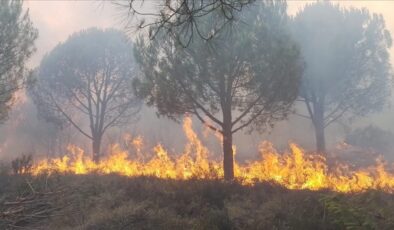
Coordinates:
<point>30,209</point>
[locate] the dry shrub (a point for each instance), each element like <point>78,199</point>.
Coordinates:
<point>22,164</point>
<point>116,202</point>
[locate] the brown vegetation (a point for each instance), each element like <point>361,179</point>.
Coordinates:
<point>116,202</point>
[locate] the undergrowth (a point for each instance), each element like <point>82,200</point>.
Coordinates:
<point>105,202</point>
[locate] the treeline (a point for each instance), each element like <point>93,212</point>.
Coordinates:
<point>235,67</point>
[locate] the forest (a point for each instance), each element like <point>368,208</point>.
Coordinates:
<point>196,114</point>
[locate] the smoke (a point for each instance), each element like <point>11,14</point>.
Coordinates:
<point>56,20</point>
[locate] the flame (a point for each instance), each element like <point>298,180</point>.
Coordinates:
<point>294,169</point>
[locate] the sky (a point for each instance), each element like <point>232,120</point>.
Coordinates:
<point>56,20</point>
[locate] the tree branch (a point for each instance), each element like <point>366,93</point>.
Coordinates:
<point>206,123</point>
<point>68,118</point>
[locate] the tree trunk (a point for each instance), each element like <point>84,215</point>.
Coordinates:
<point>96,144</point>
<point>319,131</point>
<point>228,155</point>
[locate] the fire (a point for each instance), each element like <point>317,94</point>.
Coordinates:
<point>293,170</point>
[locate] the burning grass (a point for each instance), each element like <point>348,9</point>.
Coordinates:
<point>293,190</point>
<point>293,170</point>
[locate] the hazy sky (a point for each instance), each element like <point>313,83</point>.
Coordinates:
<point>56,20</point>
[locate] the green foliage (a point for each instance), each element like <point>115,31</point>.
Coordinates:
<point>365,211</point>
<point>253,69</point>
<point>88,78</point>
<point>179,18</point>
<point>244,77</point>
<point>347,58</point>
<point>348,70</point>
<point>17,36</point>
<point>89,75</point>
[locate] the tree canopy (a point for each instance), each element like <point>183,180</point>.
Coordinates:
<point>183,19</point>
<point>244,76</point>
<point>88,77</point>
<point>17,36</point>
<point>348,69</point>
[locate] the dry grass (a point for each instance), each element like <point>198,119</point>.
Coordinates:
<point>113,202</point>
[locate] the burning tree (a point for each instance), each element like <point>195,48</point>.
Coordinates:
<point>347,63</point>
<point>242,77</point>
<point>88,77</point>
<point>17,36</point>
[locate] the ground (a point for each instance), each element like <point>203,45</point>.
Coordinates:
<point>103,202</point>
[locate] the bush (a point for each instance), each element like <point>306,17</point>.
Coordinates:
<point>372,138</point>
<point>115,202</point>
<point>22,164</point>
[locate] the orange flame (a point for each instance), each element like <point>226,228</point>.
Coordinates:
<point>293,170</point>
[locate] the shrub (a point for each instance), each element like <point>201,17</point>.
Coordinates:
<point>115,202</point>
<point>22,164</point>
<point>372,138</point>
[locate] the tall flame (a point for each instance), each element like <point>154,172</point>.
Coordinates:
<point>293,170</point>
